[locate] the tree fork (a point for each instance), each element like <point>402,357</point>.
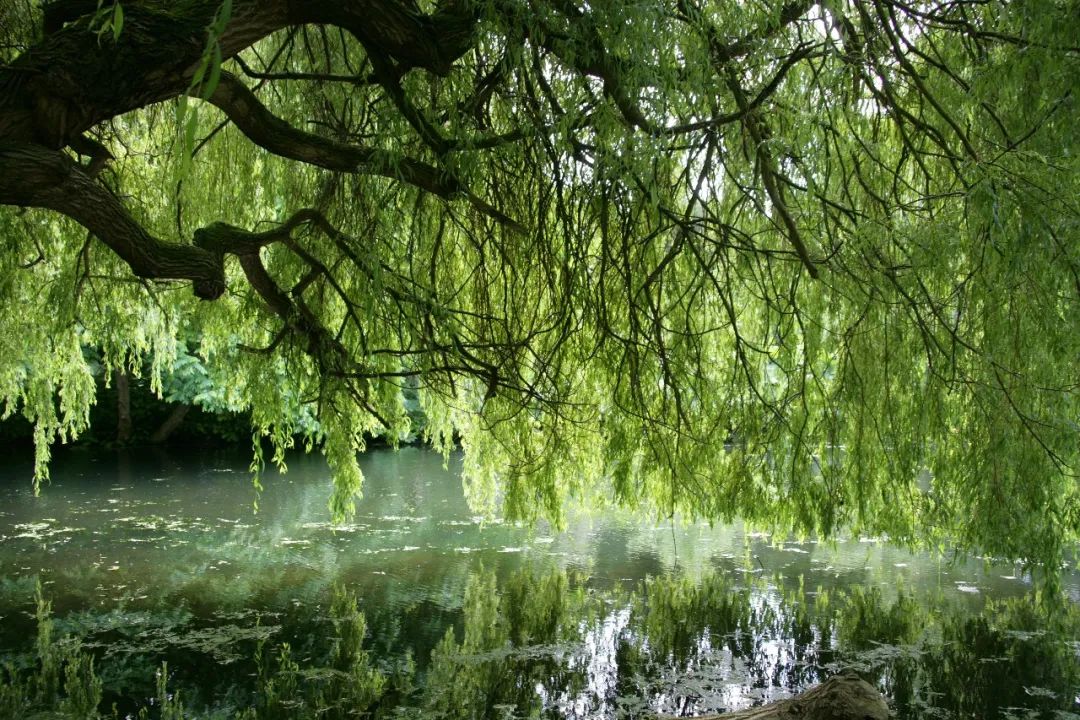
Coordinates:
<point>34,176</point>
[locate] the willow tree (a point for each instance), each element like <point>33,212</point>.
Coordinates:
<point>816,265</point>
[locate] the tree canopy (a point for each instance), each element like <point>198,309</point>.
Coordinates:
<point>812,264</point>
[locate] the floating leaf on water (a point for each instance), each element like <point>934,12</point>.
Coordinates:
<point>1040,692</point>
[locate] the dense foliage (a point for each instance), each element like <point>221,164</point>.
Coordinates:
<point>816,264</point>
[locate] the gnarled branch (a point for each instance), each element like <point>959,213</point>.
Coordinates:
<point>34,176</point>
<point>267,130</point>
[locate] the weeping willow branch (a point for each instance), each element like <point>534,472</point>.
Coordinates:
<point>655,318</point>
<point>33,176</point>
<point>267,130</point>
<point>769,174</point>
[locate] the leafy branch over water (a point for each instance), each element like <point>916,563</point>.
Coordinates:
<point>812,264</point>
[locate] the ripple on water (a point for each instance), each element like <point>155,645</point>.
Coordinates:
<point>43,531</point>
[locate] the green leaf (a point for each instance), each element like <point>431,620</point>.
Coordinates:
<point>221,19</point>
<point>215,73</point>
<point>117,21</point>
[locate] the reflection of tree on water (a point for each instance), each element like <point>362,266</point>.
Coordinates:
<point>520,647</point>
<point>546,644</point>
<point>1012,656</point>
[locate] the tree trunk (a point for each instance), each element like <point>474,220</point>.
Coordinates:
<point>123,409</point>
<point>168,427</point>
<point>841,697</point>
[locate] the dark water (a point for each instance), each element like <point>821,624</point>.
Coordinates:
<point>151,557</point>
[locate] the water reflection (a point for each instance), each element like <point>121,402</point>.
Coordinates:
<point>465,617</point>
<point>545,644</point>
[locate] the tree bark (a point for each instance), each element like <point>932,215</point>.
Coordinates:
<point>841,697</point>
<point>34,176</point>
<point>76,78</point>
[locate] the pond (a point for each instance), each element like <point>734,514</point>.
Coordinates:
<point>417,608</point>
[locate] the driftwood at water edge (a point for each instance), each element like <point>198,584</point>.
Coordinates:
<point>841,697</point>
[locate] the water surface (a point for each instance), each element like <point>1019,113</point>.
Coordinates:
<point>152,557</point>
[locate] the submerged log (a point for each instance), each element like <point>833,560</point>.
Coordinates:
<point>842,697</point>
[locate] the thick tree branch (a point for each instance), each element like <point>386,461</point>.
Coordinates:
<point>222,238</point>
<point>397,30</point>
<point>267,130</point>
<point>74,79</point>
<point>33,176</point>
<point>587,54</point>
<point>57,13</point>
<point>770,174</point>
